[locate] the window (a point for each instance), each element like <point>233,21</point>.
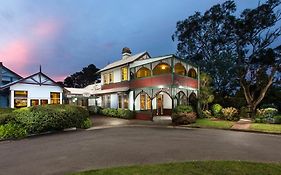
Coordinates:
<point>119,100</point>
<point>180,69</point>
<point>20,99</point>
<point>34,102</point>
<point>143,72</point>
<point>124,74</point>
<point>108,101</point>
<point>126,101</point>
<point>44,102</point>
<point>123,101</point>
<point>192,73</point>
<point>145,102</point>
<point>111,77</point>
<point>162,68</point>
<point>55,98</point>
<point>105,79</point>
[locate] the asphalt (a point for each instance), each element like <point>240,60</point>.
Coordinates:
<point>118,146</point>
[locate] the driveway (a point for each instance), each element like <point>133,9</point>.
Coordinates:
<point>118,146</point>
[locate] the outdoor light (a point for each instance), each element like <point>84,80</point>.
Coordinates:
<point>163,67</point>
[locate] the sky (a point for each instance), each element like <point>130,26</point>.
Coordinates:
<point>66,35</point>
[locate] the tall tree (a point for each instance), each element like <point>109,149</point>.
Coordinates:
<point>235,48</point>
<point>81,79</point>
<point>206,93</point>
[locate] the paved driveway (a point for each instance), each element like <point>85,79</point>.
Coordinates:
<point>81,150</point>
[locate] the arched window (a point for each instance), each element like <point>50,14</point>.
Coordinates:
<point>162,68</point>
<point>181,98</point>
<point>192,73</point>
<point>180,69</point>
<point>143,72</point>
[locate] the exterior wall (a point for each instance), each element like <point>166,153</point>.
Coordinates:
<point>116,74</point>
<point>35,92</point>
<point>131,100</point>
<point>4,101</point>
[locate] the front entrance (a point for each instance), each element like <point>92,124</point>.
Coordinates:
<point>159,104</point>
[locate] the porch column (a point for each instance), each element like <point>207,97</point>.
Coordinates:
<point>12,99</point>
<point>151,105</point>
<point>134,98</point>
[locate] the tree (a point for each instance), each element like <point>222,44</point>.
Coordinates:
<point>243,42</point>
<point>81,79</point>
<point>206,94</point>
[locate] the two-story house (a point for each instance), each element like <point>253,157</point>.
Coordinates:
<point>149,86</point>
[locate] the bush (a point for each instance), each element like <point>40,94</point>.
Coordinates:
<point>230,113</point>
<point>183,108</point>
<point>266,115</point>
<point>183,118</point>
<point>119,113</point>
<point>86,124</point>
<point>39,119</point>
<point>207,114</point>
<point>244,112</point>
<point>12,131</point>
<point>216,110</point>
<point>6,118</point>
<point>93,110</point>
<point>277,119</point>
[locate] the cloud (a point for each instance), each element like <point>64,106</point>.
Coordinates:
<point>47,29</point>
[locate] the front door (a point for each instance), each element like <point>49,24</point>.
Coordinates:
<point>159,104</point>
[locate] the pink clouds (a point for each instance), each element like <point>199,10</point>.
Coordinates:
<point>47,29</point>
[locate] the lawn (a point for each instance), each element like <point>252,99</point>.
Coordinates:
<point>213,123</point>
<point>274,128</point>
<point>196,167</point>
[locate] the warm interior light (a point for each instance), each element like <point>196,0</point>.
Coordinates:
<point>163,67</point>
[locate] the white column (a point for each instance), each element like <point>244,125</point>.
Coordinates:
<point>61,98</point>
<point>12,99</point>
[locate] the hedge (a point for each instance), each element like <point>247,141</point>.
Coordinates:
<point>118,113</point>
<point>40,119</point>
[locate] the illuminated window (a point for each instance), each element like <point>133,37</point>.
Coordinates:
<point>162,68</point>
<point>123,101</point>
<point>124,73</point>
<point>20,99</point>
<point>143,72</point>
<point>55,98</point>
<point>180,69</point>
<point>145,102</point>
<point>192,73</point>
<point>105,79</point>
<point>44,102</point>
<point>111,77</point>
<point>34,102</point>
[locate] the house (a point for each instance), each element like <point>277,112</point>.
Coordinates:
<point>6,76</point>
<point>150,86</point>
<point>36,89</point>
<point>83,96</point>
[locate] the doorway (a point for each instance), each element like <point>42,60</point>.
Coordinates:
<point>160,104</point>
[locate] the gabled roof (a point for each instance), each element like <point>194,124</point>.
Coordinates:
<point>150,60</point>
<point>1,64</point>
<point>38,78</point>
<point>88,89</point>
<point>124,61</point>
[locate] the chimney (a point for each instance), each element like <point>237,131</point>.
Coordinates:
<point>1,76</point>
<point>126,52</point>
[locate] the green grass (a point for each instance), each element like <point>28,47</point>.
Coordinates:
<point>213,123</point>
<point>274,128</point>
<point>191,168</point>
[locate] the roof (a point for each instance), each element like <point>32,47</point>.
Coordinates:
<point>1,64</point>
<point>108,91</point>
<point>46,81</point>
<point>150,60</point>
<point>88,89</point>
<point>123,61</point>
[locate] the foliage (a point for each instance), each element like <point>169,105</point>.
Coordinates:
<point>6,118</point>
<point>277,119</point>
<point>244,112</point>
<point>206,94</point>
<point>183,108</point>
<point>12,131</point>
<point>266,115</point>
<point>207,114</point>
<point>86,124</point>
<point>230,113</point>
<point>235,49</point>
<point>81,79</point>
<point>93,110</point>
<point>119,113</point>
<point>184,118</point>
<point>216,110</point>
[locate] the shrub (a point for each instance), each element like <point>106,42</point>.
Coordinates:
<point>39,119</point>
<point>244,112</point>
<point>12,131</point>
<point>230,113</point>
<point>207,114</point>
<point>264,106</point>
<point>216,110</point>
<point>119,113</point>
<point>93,110</point>
<point>183,108</point>
<point>277,119</point>
<point>6,118</point>
<point>183,118</point>
<point>267,112</point>
<point>86,124</point>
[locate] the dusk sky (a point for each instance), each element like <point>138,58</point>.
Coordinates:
<point>66,35</point>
